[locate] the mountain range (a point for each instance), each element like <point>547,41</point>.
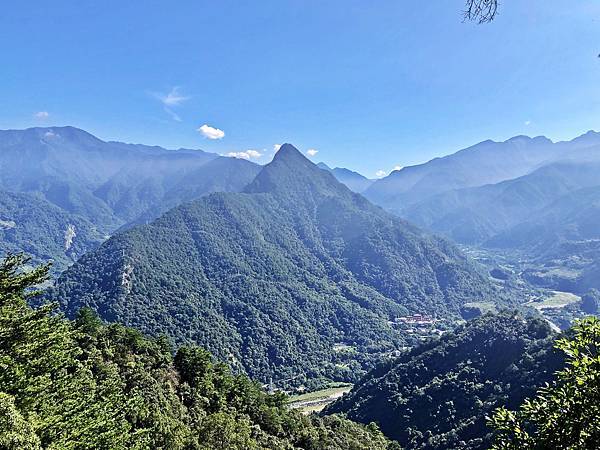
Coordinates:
<point>485,163</point>
<point>289,275</point>
<point>531,199</point>
<point>488,214</point>
<point>64,191</point>
<point>96,187</point>
<point>93,188</point>
<point>274,278</point>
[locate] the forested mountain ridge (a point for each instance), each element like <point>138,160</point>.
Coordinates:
<point>271,279</point>
<point>81,384</point>
<point>485,163</point>
<point>107,184</point>
<point>438,395</point>
<point>33,225</point>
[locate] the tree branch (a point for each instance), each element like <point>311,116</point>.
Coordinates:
<point>481,11</point>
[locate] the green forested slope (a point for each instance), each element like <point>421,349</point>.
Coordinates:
<point>564,414</point>
<point>33,225</point>
<point>84,385</point>
<point>270,279</point>
<point>438,395</point>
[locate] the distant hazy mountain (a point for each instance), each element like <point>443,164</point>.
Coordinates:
<point>564,238</point>
<point>438,395</point>
<point>488,162</point>
<point>109,183</point>
<point>271,278</point>
<point>548,217</point>
<point>354,180</point>
<point>217,175</point>
<point>572,217</point>
<point>478,215</point>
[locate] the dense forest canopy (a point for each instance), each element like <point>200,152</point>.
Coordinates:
<point>437,395</point>
<point>85,385</point>
<point>564,414</point>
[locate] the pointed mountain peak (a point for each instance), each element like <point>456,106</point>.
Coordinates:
<point>292,174</point>
<point>288,152</point>
<point>289,158</point>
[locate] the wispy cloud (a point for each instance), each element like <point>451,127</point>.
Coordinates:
<point>170,100</point>
<point>248,154</point>
<point>173,114</point>
<point>42,115</point>
<point>527,122</point>
<point>210,132</point>
<point>397,168</point>
<point>276,147</point>
<point>311,152</point>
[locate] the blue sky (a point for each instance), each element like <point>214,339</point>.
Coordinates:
<point>368,85</point>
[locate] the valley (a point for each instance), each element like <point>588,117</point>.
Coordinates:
<point>559,307</point>
<point>295,225</point>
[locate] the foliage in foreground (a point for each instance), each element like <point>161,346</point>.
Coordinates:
<point>84,385</point>
<point>566,413</point>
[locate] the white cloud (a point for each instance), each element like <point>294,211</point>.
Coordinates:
<point>210,132</point>
<point>527,122</point>
<point>276,147</point>
<point>248,154</point>
<point>254,153</point>
<point>311,152</point>
<point>42,115</point>
<point>50,134</point>
<point>382,173</point>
